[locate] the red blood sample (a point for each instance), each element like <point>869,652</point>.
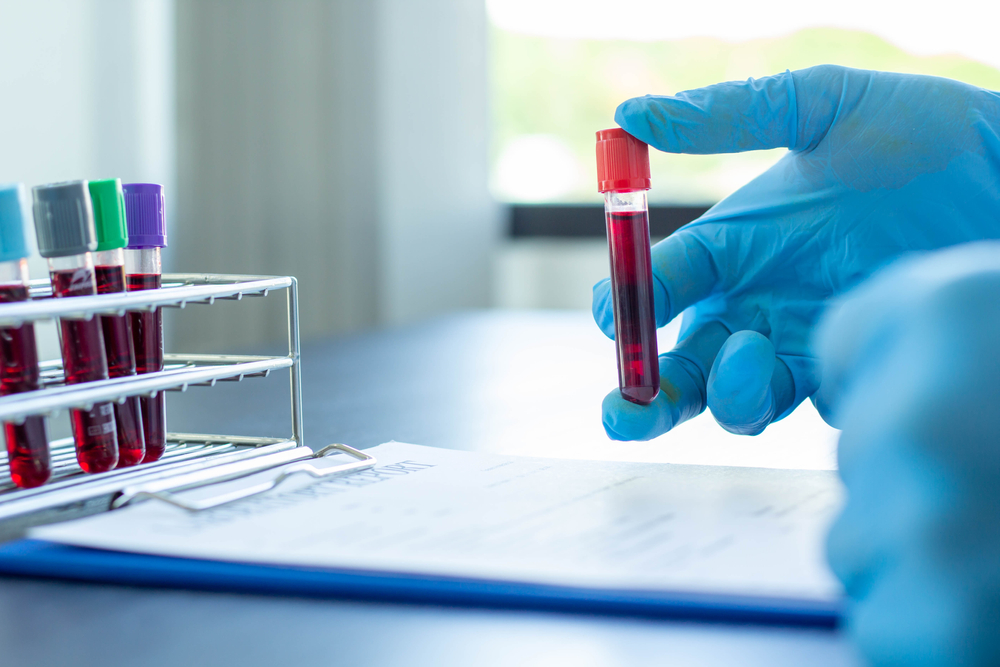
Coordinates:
<point>84,360</point>
<point>147,334</point>
<point>28,452</point>
<point>27,443</point>
<point>623,176</point>
<point>121,363</point>
<point>632,292</point>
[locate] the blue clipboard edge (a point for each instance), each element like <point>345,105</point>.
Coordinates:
<point>40,559</point>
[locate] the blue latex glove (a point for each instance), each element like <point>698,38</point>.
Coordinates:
<point>879,164</point>
<point>914,355</point>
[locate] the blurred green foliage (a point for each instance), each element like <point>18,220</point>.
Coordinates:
<point>570,88</point>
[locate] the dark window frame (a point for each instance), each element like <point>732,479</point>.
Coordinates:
<point>587,220</point>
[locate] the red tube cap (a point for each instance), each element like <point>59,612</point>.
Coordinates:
<point>622,162</point>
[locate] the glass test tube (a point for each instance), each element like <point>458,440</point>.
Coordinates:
<point>144,272</point>
<point>27,443</point>
<point>109,260</point>
<point>84,360</point>
<point>144,214</point>
<point>118,346</point>
<point>64,224</point>
<point>623,177</point>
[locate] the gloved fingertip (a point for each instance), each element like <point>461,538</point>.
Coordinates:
<point>632,115</point>
<point>609,429</point>
<point>739,385</point>
<point>626,421</point>
<point>602,308</point>
<point>625,111</point>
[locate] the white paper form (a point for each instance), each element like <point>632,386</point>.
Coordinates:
<point>643,526</point>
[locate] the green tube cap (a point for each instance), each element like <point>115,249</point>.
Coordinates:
<point>109,213</point>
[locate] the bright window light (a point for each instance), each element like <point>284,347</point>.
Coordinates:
<point>560,67</point>
<point>964,27</point>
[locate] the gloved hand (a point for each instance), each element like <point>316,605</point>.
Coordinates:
<point>915,361</point>
<point>880,164</point>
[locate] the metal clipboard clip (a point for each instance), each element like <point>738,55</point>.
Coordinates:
<point>166,490</point>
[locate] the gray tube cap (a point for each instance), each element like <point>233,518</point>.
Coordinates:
<point>64,219</point>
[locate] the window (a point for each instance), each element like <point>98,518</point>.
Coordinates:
<point>560,67</point>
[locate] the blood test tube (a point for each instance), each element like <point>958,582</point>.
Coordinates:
<point>64,225</point>
<point>27,443</point>
<point>147,234</point>
<point>623,177</point>
<point>109,268</point>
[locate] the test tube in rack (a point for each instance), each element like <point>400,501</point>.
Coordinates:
<point>27,443</point>
<point>147,233</point>
<point>64,225</point>
<point>109,267</point>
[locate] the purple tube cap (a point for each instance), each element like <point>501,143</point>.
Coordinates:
<point>144,215</point>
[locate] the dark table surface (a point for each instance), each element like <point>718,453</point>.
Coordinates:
<point>526,383</point>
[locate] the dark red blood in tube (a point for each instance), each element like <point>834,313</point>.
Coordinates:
<point>84,360</point>
<point>27,443</point>
<point>147,334</point>
<point>121,363</point>
<point>28,452</point>
<point>632,293</point>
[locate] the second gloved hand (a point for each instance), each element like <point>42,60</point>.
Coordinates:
<point>879,164</point>
<point>914,358</point>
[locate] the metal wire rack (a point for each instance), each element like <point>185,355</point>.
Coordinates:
<point>181,371</point>
<point>70,492</point>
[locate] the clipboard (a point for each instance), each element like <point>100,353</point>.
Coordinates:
<point>38,558</point>
<point>32,558</point>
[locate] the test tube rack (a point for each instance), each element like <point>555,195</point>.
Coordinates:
<point>191,460</point>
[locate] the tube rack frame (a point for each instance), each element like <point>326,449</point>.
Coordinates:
<point>204,458</point>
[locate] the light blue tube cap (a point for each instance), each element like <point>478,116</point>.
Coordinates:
<point>15,214</point>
